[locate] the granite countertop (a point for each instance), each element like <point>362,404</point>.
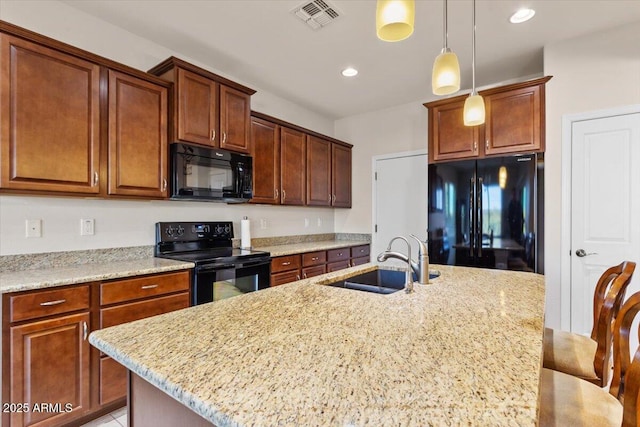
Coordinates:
<point>57,276</point>
<point>298,248</point>
<point>464,350</point>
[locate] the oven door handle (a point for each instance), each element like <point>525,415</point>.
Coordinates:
<point>216,267</point>
<point>254,263</point>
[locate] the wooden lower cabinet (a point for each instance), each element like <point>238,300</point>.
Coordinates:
<point>48,359</point>
<point>338,265</point>
<point>316,270</point>
<point>285,277</point>
<point>49,364</point>
<point>359,261</point>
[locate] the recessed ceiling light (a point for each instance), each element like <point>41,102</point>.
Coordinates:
<point>349,72</point>
<point>522,15</point>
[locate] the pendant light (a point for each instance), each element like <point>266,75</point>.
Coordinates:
<point>474,104</point>
<point>394,19</point>
<point>445,78</point>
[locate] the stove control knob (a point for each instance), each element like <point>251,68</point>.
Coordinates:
<point>219,229</point>
<point>227,229</point>
<point>180,230</point>
<point>169,231</point>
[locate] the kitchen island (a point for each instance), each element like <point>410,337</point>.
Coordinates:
<point>465,349</point>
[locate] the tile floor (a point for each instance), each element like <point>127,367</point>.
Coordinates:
<point>116,418</point>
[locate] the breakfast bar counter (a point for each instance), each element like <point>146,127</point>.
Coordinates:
<point>463,350</point>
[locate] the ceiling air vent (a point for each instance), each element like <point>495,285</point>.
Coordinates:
<point>317,13</point>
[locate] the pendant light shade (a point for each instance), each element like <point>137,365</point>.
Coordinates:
<point>474,110</point>
<point>394,19</point>
<point>445,77</point>
<point>474,104</point>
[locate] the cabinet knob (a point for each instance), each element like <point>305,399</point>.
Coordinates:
<point>486,144</point>
<point>224,137</point>
<point>164,184</point>
<point>213,134</point>
<point>277,193</point>
<point>286,263</point>
<point>148,286</point>
<point>96,179</point>
<point>297,277</point>
<point>284,195</point>
<point>85,331</point>
<point>475,146</point>
<point>315,258</point>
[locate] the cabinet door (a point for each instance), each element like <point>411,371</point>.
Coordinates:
<point>49,363</point>
<point>450,138</point>
<point>514,121</point>
<point>318,172</point>
<point>137,137</point>
<point>285,277</point>
<point>265,150</point>
<point>50,121</point>
<point>235,120</point>
<point>341,176</point>
<point>292,166</point>
<point>197,109</point>
<point>316,270</point>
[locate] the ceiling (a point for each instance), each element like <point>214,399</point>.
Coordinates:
<point>263,45</point>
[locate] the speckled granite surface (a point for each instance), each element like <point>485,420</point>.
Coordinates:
<point>297,248</point>
<point>465,350</point>
<point>50,277</point>
<point>259,242</point>
<point>72,258</point>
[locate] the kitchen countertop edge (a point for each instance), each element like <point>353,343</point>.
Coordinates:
<point>27,280</point>
<point>300,248</point>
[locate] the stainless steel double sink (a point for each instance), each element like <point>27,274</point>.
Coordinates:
<point>377,281</point>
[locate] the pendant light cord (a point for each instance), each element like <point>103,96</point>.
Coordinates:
<point>473,53</point>
<point>444,27</point>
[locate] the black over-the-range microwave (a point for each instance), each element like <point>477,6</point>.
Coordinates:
<point>210,174</point>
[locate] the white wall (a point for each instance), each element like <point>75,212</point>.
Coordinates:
<point>593,72</point>
<point>130,223</point>
<point>393,130</point>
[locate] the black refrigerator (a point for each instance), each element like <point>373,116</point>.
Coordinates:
<point>487,213</point>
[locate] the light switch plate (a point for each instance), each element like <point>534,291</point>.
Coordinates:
<point>87,227</point>
<point>34,228</point>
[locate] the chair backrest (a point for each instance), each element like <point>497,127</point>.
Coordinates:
<point>625,385</point>
<point>612,286</point>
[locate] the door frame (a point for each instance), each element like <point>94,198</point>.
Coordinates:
<point>565,244</point>
<point>374,201</point>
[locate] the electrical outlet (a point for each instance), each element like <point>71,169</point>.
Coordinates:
<point>87,227</point>
<point>263,223</point>
<point>34,228</point>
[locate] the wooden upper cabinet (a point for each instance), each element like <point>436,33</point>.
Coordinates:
<point>449,138</point>
<point>515,121</point>
<point>265,150</point>
<point>235,120</point>
<point>208,109</point>
<point>197,109</point>
<point>137,137</point>
<point>50,120</point>
<point>292,167</point>
<point>318,172</point>
<point>340,176</point>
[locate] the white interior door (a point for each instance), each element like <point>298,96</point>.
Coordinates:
<point>400,201</point>
<point>605,206</point>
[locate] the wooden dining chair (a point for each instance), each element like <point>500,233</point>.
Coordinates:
<point>584,357</point>
<point>566,400</point>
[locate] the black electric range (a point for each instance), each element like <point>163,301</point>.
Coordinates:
<point>221,270</point>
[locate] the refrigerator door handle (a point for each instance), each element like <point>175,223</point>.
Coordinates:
<point>472,218</point>
<point>479,216</point>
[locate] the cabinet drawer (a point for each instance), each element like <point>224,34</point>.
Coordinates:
<point>360,251</point>
<point>285,263</point>
<point>143,287</point>
<point>338,265</point>
<point>316,270</point>
<point>139,310</point>
<point>338,254</point>
<point>285,277</point>
<point>314,258</point>
<point>113,380</point>
<point>46,303</point>
<point>359,261</point>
